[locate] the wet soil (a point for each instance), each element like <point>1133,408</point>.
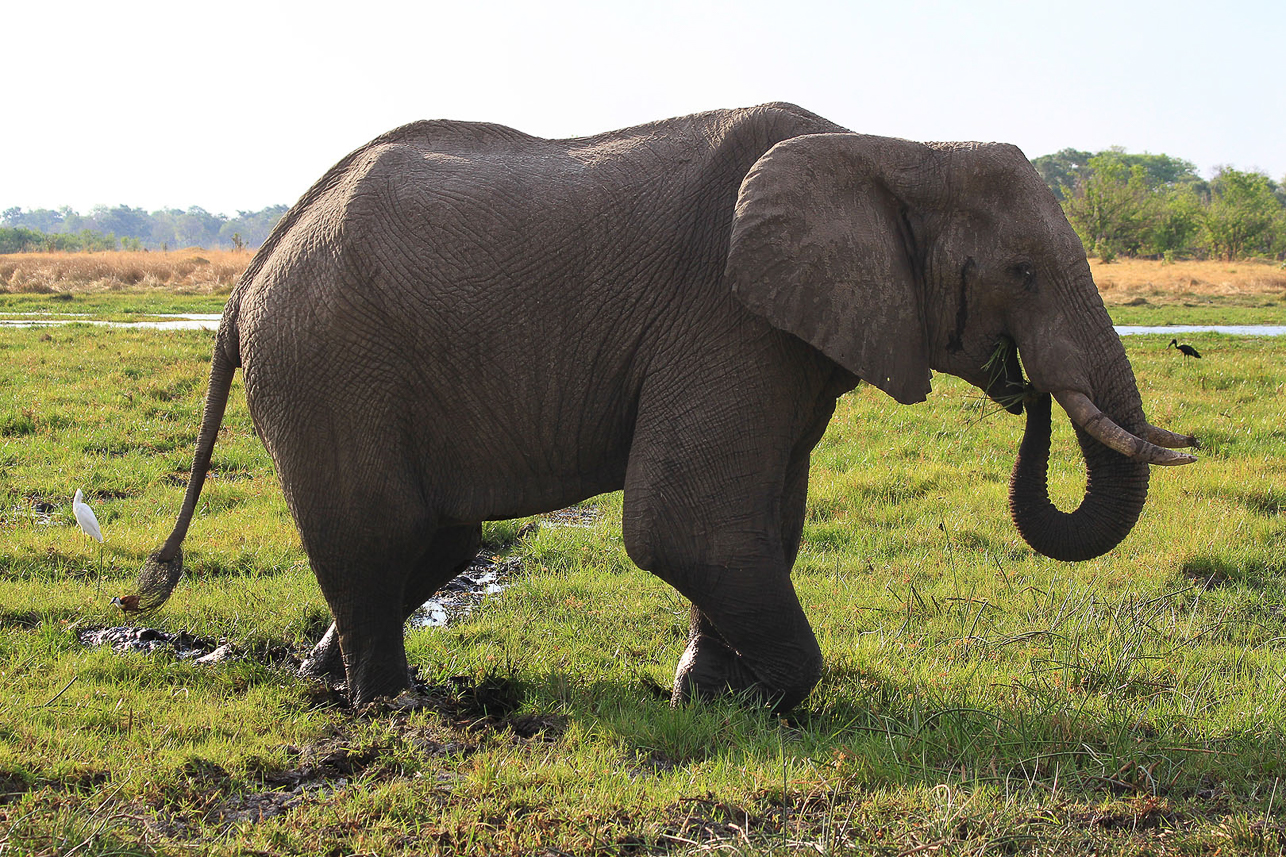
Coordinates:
<point>182,645</point>
<point>485,576</point>
<point>467,711</point>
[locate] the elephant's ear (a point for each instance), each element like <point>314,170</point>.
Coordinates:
<point>820,248</point>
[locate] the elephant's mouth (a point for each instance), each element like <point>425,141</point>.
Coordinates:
<point>1005,383</point>
<point>1008,388</point>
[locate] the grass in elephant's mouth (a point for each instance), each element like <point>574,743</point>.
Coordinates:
<point>976,698</point>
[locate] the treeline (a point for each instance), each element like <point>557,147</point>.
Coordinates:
<point>125,228</point>
<point>1120,204</point>
<point>1157,206</point>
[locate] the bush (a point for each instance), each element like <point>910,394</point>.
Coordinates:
<point>1156,206</point>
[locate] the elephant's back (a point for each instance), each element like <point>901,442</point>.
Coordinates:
<point>457,281</point>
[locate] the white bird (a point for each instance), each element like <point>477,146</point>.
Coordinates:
<point>86,518</point>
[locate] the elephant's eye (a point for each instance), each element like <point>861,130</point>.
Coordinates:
<point>1026,274</point>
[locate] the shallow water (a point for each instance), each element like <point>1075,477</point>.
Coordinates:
<point>178,321</point>
<point>483,577</point>
<point>210,321</point>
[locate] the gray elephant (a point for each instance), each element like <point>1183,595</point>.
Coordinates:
<point>461,323</point>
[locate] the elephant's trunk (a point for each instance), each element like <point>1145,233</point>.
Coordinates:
<point>1116,485</point>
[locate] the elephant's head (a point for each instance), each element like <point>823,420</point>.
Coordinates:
<point>897,258</point>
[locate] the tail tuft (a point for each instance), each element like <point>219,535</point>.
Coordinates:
<point>156,580</point>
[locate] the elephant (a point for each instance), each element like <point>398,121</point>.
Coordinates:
<point>461,323</point>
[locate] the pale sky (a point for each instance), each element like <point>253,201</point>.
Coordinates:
<point>241,104</point>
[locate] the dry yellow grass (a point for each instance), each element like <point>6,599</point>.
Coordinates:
<point>198,271</point>
<point>190,271</point>
<point>1125,280</point>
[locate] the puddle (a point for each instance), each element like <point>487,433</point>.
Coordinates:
<point>168,321</point>
<point>573,516</point>
<point>484,576</point>
<point>489,575</point>
<point>33,510</point>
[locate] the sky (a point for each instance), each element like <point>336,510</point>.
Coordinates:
<point>235,106</point>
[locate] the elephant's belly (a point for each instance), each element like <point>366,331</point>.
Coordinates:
<point>502,493</point>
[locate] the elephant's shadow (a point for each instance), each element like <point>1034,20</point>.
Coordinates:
<point>894,732</point>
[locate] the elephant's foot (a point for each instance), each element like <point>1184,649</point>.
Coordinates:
<point>710,668</point>
<point>325,661</point>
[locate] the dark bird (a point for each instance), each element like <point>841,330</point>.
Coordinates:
<point>1186,350</point>
<point>127,603</point>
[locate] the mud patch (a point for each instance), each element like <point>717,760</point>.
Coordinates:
<point>333,763</point>
<point>12,787</point>
<point>484,576</point>
<point>471,706</point>
<point>324,768</point>
<point>182,645</point>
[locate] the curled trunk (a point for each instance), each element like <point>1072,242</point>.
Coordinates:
<point>1115,490</point>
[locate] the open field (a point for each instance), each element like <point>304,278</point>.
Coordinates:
<point>116,285</point>
<point>978,698</point>
<point>1140,291</point>
<point>119,286</point>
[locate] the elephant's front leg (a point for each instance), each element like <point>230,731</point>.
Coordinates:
<point>760,645</point>
<point>718,518</point>
<point>709,663</point>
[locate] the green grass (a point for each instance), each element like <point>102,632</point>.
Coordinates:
<point>108,305</point>
<point>977,698</point>
<point>1203,310</point>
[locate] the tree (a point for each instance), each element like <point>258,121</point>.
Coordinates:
<point>1063,169</point>
<point>41,219</point>
<point>252,226</point>
<point>19,239</point>
<point>163,228</point>
<point>1243,217</point>
<point>1174,220</point>
<point>93,241</point>
<point>123,221</point>
<point>197,228</point>
<point>1161,170</point>
<point>1108,207</point>
<point>135,227</point>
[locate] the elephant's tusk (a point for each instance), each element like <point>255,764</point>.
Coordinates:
<point>1099,426</point>
<point>1161,437</point>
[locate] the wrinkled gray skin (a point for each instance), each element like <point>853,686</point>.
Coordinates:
<point>461,323</point>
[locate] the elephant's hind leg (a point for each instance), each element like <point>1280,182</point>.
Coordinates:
<point>363,545</point>
<point>449,553</point>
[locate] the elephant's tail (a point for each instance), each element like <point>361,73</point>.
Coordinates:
<point>162,570</point>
